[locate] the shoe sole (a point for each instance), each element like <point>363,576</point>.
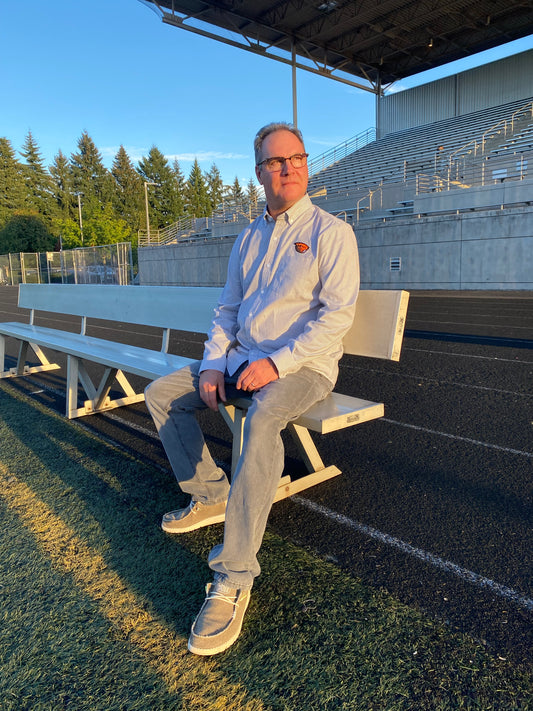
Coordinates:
<point>170,528</point>
<point>224,645</point>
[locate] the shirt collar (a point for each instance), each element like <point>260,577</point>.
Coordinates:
<point>293,212</point>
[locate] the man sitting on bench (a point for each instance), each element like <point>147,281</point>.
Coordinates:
<point>293,280</point>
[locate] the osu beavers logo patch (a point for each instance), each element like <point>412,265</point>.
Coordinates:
<point>301,247</point>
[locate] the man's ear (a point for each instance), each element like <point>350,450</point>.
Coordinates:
<point>258,174</point>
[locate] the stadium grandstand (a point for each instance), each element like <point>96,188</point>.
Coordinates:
<point>440,192</point>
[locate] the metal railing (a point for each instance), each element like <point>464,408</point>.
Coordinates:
<point>331,156</point>
<point>428,183</point>
<point>478,146</point>
<point>181,229</point>
<point>240,212</point>
<point>477,172</point>
<point>370,197</point>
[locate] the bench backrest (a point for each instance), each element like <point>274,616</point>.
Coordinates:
<point>377,330</point>
<point>183,308</point>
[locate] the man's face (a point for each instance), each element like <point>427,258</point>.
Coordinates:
<point>286,187</point>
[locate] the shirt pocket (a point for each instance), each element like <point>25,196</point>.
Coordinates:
<point>296,275</point>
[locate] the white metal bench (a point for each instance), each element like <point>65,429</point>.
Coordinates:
<point>377,332</point>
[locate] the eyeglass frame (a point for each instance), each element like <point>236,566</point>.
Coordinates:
<point>283,161</point>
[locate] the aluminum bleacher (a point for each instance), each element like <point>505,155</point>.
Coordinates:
<point>442,149</point>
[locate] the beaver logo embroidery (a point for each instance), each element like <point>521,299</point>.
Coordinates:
<point>301,247</point>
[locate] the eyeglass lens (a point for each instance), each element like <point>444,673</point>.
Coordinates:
<point>298,160</point>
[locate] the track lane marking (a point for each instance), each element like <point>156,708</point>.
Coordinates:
<point>468,355</point>
<point>437,381</point>
<point>446,565</point>
<point>469,440</point>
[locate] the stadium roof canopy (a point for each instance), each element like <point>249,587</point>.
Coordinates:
<point>365,43</point>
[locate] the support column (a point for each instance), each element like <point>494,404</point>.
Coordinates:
<point>294,91</point>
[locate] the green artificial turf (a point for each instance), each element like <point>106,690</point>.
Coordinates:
<point>97,602</point>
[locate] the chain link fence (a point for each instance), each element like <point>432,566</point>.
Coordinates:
<point>108,264</point>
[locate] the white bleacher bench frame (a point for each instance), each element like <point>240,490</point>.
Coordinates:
<point>377,332</point>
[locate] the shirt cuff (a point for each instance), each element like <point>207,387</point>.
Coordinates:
<point>284,361</point>
<point>213,364</point>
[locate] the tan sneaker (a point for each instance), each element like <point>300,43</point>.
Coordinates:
<point>219,622</point>
<point>195,515</point>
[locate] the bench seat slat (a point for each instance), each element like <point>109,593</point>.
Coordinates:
<point>335,412</point>
<point>338,411</point>
<point>132,359</point>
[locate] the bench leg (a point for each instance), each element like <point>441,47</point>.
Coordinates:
<point>98,396</point>
<point>235,418</point>
<point>312,460</point>
<point>3,353</point>
<point>21,368</point>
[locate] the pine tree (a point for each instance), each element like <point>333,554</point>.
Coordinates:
<point>128,193</point>
<point>89,176</point>
<point>163,198</point>
<point>180,186</point>
<point>12,189</point>
<point>252,194</point>
<point>61,176</point>
<point>215,188</point>
<point>197,197</point>
<point>38,193</point>
<point>237,193</point>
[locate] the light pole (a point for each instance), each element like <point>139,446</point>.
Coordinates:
<point>146,184</point>
<point>79,214</point>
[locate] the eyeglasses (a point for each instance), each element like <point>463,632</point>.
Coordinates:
<point>275,164</point>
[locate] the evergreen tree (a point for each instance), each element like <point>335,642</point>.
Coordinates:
<point>128,194</point>
<point>252,194</point>
<point>197,197</point>
<point>89,176</point>
<point>38,184</point>
<point>236,193</point>
<point>163,199</point>
<point>180,186</point>
<point>215,188</point>
<point>61,176</point>
<point>12,191</point>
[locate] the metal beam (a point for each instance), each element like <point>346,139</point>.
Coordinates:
<point>263,51</point>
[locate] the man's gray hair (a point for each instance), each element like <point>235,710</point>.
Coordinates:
<point>267,130</point>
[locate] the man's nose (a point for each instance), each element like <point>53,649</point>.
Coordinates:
<point>287,167</point>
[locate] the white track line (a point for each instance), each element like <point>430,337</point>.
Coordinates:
<point>477,442</point>
<point>467,355</point>
<point>437,381</point>
<point>463,573</point>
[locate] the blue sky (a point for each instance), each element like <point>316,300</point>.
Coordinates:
<point>112,68</point>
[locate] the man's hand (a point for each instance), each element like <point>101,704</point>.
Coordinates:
<point>212,388</point>
<point>257,374</point>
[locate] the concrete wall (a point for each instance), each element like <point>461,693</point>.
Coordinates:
<point>490,249</point>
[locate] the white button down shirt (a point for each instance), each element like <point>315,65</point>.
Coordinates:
<point>290,293</point>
